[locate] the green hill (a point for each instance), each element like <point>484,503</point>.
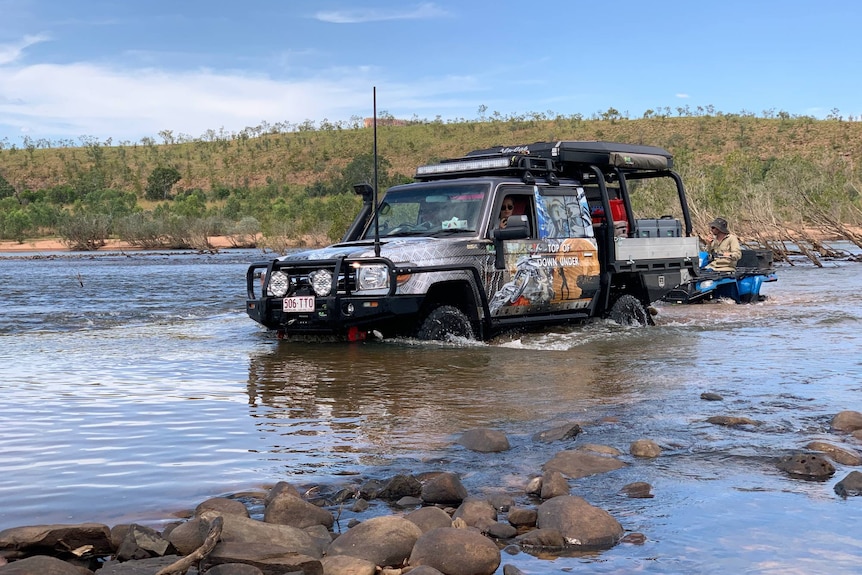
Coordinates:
<point>766,174</point>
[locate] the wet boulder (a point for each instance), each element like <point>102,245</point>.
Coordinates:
<point>429,518</point>
<point>347,565</point>
<point>807,466</point>
<point>522,517</point>
<point>476,513</point>
<point>484,440</point>
<point>142,543</point>
<point>443,488</point>
<point>269,558</point>
<point>709,396</point>
<point>278,489</point>
<point>637,490</point>
<point>847,421</point>
<point>600,449</point>
<point>456,552</point>
<point>42,565</point>
<point>837,454</point>
<point>542,539</point>
<point>534,486</point>
<point>850,486</point>
<point>56,539</point>
<point>240,530</point>
<point>188,536</point>
<point>224,506</point>
<point>384,541</point>
<point>288,509</point>
<point>582,525</point>
<point>576,464</point>
<point>499,530</point>
<point>400,486</point>
<point>500,501</point>
<point>565,432</point>
<point>234,569</point>
<point>646,448</point>
<point>141,566</point>
<point>554,484</point>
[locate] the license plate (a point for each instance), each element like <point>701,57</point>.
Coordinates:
<point>298,304</point>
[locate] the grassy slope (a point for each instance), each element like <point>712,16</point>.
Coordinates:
<point>300,158</point>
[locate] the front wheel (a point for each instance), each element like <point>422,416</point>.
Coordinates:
<point>629,311</point>
<point>444,322</point>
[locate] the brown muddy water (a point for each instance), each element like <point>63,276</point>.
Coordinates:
<point>134,386</point>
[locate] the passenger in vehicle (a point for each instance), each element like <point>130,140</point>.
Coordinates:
<point>506,210</point>
<point>723,250</point>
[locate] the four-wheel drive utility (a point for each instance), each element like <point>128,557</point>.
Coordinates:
<point>433,259</point>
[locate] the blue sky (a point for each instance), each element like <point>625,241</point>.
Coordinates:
<point>126,70</point>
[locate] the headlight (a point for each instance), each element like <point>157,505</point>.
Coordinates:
<point>374,276</point>
<point>321,282</point>
<point>706,284</point>
<point>278,284</point>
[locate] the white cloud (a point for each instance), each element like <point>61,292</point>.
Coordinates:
<point>52,101</point>
<point>84,99</point>
<point>682,95</point>
<point>10,53</point>
<point>421,12</point>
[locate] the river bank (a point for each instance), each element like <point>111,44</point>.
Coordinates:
<point>57,245</point>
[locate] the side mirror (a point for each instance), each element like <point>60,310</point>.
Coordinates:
<point>517,228</point>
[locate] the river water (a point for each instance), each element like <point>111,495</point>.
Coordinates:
<point>134,386</point>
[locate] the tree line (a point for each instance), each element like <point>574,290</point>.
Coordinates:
<point>783,182</point>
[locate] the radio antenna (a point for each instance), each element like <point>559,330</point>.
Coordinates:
<point>376,220</point>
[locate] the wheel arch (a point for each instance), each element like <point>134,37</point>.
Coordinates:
<point>458,293</point>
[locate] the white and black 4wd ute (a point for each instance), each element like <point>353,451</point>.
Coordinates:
<point>432,259</point>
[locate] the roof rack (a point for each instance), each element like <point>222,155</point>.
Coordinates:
<point>551,160</point>
<point>602,154</point>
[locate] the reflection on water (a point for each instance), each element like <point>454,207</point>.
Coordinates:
<point>146,390</point>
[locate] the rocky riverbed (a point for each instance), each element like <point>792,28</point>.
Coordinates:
<point>424,523</point>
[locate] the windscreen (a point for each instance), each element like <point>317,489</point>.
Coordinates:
<point>430,210</point>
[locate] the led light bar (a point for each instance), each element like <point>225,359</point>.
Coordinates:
<point>463,166</point>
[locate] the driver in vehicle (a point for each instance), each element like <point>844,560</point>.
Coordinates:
<point>724,250</point>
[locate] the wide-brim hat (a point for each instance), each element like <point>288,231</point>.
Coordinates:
<point>720,224</point>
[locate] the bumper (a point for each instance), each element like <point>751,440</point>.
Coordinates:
<point>336,315</point>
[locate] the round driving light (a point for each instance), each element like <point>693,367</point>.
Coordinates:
<point>349,309</point>
<point>278,284</point>
<point>321,282</point>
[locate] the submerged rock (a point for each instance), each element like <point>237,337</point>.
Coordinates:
<point>807,466</point>
<point>562,432</point>
<point>484,440</point>
<point>577,464</point>
<point>850,486</point>
<point>637,490</point>
<point>645,448</point>
<point>847,421</point>
<point>731,421</point>
<point>837,454</point>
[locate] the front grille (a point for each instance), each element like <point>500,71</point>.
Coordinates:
<point>301,285</point>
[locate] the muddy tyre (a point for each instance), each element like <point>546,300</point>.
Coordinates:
<point>629,311</point>
<point>445,321</point>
